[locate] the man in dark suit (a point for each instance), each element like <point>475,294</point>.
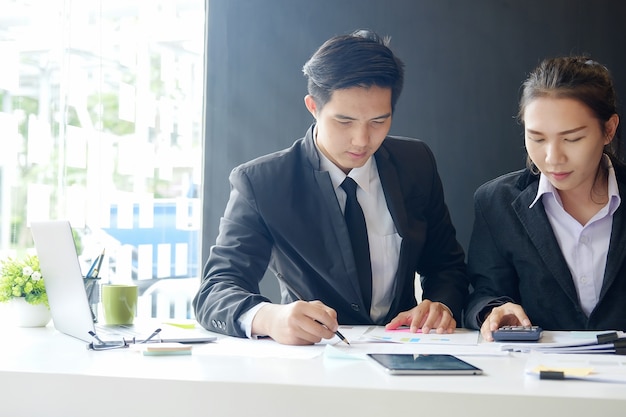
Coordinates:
<point>286,213</point>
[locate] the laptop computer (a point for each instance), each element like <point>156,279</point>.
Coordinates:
<point>69,304</point>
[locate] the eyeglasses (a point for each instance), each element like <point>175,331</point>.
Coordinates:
<point>99,344</point>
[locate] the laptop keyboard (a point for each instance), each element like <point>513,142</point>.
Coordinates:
<point>119,330</point>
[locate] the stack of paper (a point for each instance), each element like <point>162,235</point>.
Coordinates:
<point>574,342</point>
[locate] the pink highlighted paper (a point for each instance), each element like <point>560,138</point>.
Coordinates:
<point>404,335</point>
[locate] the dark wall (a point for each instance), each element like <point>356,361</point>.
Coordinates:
<point>465,61</point>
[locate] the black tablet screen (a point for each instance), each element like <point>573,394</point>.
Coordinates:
<point>414,364</point>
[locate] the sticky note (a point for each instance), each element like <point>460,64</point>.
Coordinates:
<point>163,349</point>
<point>183,324</point>
<point>166,352</point>
<point>571,372</point>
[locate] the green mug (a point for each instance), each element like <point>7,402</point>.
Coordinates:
<point>119,303</point>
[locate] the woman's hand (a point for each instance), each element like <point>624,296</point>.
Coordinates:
<point>508,314</point>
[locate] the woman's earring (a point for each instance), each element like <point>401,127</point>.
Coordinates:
<point>533,169</point>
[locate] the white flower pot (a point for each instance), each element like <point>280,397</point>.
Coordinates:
<point>25,314</point>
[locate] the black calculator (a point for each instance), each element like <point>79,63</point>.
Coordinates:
<point>518,334</point>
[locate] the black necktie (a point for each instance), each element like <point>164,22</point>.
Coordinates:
<point>360,244</point>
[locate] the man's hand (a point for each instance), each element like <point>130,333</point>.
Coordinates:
<point>426,316</point>
<point>298,323</point>
<point>508,314</point>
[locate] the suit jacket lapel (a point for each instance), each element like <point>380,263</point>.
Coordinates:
<point>617,247</point>
<point>536,223</point>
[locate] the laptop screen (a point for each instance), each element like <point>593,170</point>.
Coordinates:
<point>63,276</point>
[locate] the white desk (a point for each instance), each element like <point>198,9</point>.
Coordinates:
<point>45,373</point>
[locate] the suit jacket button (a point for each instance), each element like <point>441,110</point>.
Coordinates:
<point>214,323</point>
<point>355,307</point>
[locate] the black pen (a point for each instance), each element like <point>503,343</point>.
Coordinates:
<point>338,333</point>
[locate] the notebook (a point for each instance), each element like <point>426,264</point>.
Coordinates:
<point>69,305</point>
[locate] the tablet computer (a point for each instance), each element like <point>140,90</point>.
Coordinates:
<point>433,364</point>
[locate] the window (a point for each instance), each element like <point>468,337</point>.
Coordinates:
<point>101,118</point>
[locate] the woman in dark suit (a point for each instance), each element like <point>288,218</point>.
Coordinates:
<point>548,246</point>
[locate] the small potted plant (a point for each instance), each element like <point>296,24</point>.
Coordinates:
<point>22,285</point>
